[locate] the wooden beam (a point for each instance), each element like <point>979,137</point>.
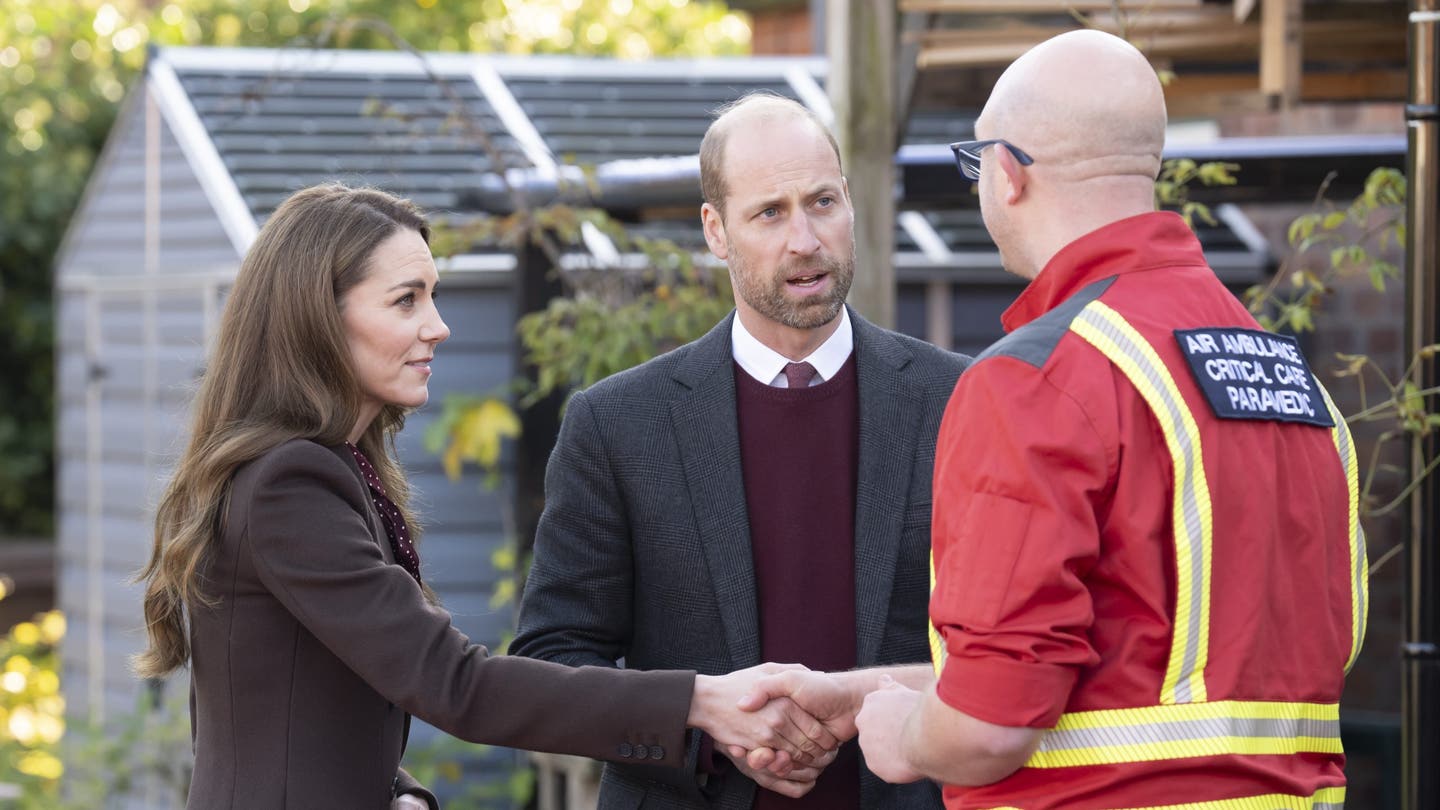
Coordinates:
<point>861,45</point>
<point>1281,51</point>
<point>1349,85</point>
<point>1339,41</point>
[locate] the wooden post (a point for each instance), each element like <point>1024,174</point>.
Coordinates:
<point>1280,52</point>
<point>861,49</point>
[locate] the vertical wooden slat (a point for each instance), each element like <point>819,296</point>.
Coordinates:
<point>1280,51</point>
<point>939,325</point>
<point>861,85</point>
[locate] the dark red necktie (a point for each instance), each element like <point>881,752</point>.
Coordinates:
<point>389,515</point>
<point>799,375</point>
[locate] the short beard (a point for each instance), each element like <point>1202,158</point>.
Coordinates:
<point>770,299</point>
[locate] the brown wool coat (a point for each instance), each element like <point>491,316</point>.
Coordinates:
<point>319,648</point>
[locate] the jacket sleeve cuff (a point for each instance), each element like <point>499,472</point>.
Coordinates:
<point>1006,692</point>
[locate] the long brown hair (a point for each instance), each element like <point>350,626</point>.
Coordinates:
<point>280,370</point>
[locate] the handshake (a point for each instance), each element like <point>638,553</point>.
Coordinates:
<point>782,724</point>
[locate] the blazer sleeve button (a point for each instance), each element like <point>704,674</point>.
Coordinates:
<point>657,752</point>
<point>624,750</point>
<point>641,752</point>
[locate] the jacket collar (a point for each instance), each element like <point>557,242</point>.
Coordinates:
<point>1143,242</point>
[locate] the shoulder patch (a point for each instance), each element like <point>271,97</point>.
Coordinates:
<point>1034,342</point>
<point>1250,374</point>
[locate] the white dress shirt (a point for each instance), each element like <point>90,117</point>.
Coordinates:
<point>768,366</point>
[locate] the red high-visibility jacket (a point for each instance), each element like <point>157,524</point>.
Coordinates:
<point>1178,597</point>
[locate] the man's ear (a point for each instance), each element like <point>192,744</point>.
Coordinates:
<point>714,227</point>
<point>1013,173</point>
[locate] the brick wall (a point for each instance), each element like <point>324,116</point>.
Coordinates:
<point>1366,118</point>
<point>781,32</point>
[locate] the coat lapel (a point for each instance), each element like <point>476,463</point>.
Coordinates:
<point>709,444</point>
<point>889,417</point>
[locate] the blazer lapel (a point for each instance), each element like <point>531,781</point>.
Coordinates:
<point>889,417</point>
<point>709,444</point>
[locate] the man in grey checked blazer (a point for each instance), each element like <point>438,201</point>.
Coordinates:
<point>648,552</point>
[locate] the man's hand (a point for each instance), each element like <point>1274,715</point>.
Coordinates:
<point>780,725</point>
<point>796,783</point>
<point>407,802</point>
<point>828,698</point>
<point>882,730</point>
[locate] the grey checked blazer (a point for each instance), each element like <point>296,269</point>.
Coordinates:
<point>643,550</point>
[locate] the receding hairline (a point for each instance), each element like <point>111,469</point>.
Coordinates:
<point>760,105</point>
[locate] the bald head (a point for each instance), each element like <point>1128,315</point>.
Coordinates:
<point>1086,104</point>
<point>751,112</point>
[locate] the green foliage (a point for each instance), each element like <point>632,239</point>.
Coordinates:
<point>83,766</point>
<point>32,711</point>
<point>608,320</point>
<point>613,318</point>
<point>1346,241</point>
<point>1352,239</point>
<point>471,428</point>
<point>65,66</point>
<point>1177,176</point>
<point>437,766</point>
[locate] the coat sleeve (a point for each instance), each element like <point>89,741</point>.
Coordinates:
<point>577,604</point>
<point>1019,470</point>
<point>313,550</point>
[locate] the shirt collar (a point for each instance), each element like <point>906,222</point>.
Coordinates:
<point>765,364</point>
<point>1143,242</point>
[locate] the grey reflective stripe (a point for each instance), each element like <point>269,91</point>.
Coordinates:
<point>1359,565</point>
<point>1214,729</point>
<point>1184,478</point>
<point>1034,342</point>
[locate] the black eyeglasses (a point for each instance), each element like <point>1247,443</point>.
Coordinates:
<point>967,155</point>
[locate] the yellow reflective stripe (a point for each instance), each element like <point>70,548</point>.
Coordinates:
<point>1107,331</point>
<point>1186,730</point>
<point>937,644</point>
<point>1331,798</point>
<point>1359,564</point>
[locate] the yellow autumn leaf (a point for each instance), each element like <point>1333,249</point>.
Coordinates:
<point>477,436</point>
<point>451,460</point>
<point>41,764</point>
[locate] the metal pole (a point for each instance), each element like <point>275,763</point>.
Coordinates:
<point>1420,656</point>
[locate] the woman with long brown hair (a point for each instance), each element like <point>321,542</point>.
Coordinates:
<point>284,569</point>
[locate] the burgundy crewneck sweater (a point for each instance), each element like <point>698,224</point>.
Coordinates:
<point>799,454</point>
